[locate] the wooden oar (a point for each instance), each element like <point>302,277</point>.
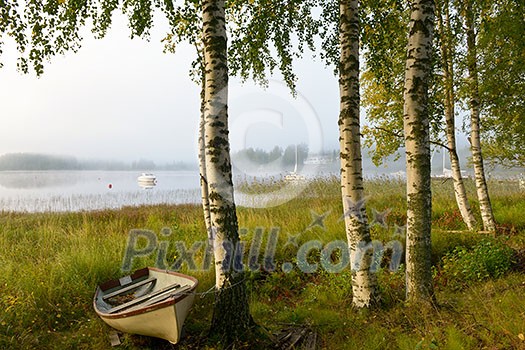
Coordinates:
<point>167,294</point>
<point>143,298</point>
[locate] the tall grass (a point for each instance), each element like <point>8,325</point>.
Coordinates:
<point>51,263</point>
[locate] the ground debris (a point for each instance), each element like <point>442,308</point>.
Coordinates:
<point>114,339</point>
<point>296,337</point>
<point>121,299</point>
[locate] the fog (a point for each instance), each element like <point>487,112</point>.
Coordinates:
<point>125,99</point>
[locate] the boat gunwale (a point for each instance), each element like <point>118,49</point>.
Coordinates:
<point>160,305</point>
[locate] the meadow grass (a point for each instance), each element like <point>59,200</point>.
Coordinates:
<point>51,263</point>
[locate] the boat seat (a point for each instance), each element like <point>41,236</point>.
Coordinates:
<point>129,287</point>
<point>145,298</point>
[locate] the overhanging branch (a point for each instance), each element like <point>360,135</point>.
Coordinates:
<point>401,136</point>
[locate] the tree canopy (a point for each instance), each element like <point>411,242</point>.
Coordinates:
<point>502,81</point>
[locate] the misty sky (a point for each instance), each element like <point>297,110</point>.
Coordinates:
<point>125,99</point>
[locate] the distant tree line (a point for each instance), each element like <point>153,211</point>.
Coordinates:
<point>277,156</point>
<point>35,161</point>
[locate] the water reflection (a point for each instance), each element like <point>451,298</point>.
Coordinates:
<point>36,179</point>
<point>115,200</point>
<point>147,186</point>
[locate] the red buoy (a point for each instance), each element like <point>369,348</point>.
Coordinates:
<point>110,186</point>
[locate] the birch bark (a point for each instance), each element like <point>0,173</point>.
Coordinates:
<point>485,206</point>
<point>417,144</point>
<point>231,316</point>
<point>356,223</point>
<point>448,79</point>
<point>205,200</point>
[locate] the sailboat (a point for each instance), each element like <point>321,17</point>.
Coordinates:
<point>447,173</point>
<point>294,175</point>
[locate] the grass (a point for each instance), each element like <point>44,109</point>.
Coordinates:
<point>51,263</point>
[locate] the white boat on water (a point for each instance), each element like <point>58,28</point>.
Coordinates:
<point>150,302</point>
<point>147,178</point>
<point>294,176</point>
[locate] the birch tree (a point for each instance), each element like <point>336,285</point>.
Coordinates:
<point>205,195</point>
<point>186,26</point>
<point>231,316</point>
<point>417,145</point>
<point>385,44</point>
<point>340,31</point>
<point>260,24</point>
<point>357,231</point>
<point>447,52</point>
<point>474,102</point>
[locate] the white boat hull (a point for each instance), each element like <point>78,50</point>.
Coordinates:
<point>292,177</point>
<point>161,320</point>
<point>147,178</point>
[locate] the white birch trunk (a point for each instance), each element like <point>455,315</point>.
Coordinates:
<point>231,317</point>
<point>202,168</point>
<point>357,230</point>
<point>485,206</point>
<point>448,78</point>
<point>417,143</point>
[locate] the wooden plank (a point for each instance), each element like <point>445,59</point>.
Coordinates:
<point>311,341</point>
<point>117,283</point>
<point>128,288</point>
<point>114,339</point>
<point>142,298</point>
<point>297,334</point>
<point>167,294</point>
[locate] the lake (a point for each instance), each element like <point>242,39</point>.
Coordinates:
<point>59,191</point>
<point>40,191</point>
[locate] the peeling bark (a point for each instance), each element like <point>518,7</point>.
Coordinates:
<point>356,223</point>
<point>417,144</point>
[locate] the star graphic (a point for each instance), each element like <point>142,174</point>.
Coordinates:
<point>354,209</point>
<point>318,220</point>
<point>400,230</point>
<point>379,218</point>
<point>292,240</point>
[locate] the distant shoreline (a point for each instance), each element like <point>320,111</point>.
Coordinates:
<point>47,162</point>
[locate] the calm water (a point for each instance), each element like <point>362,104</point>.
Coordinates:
<point>38,191</point>
<point>58,191</point>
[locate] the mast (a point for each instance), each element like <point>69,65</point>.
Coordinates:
<point>295,168</point>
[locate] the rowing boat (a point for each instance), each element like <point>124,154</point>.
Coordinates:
<point>149,302</point>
